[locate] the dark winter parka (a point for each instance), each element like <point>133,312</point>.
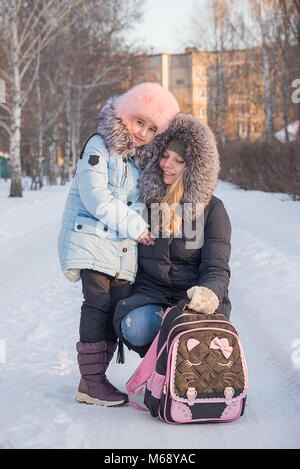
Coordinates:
<point>168,269</point>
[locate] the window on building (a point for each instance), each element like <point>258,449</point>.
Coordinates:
<point>201,72</point>
<point>179,82</point>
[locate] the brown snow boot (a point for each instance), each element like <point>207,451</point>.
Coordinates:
<point>94,387</point>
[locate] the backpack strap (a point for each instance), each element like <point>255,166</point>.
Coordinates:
<point>146,370</point>
<point>143,371</point>
<point>82,151</point>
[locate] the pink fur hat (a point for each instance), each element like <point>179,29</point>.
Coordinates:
<point>148,100</point>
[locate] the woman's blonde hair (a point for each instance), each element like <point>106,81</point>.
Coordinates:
<point>170,215</point>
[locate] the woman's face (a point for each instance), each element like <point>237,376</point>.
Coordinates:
<point>142,130</point>
<point>172,166</point>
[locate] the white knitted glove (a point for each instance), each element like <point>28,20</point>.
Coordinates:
<point>203,300</point>
<point>72,274</point>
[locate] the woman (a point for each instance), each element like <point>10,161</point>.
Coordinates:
<point>190,257</point>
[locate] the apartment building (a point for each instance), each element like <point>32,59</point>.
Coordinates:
<point>210,90</point>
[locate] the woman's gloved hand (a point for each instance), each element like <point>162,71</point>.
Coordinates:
<point>203,300</point>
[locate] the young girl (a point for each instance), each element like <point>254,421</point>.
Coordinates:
<point>191,264</point>
<point>101,226</point>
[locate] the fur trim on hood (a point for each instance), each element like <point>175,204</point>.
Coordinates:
<point>111,128</point>
<point>117,136</point>
<point>202,158</point>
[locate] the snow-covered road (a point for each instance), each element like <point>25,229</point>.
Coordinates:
<point>40,309</point>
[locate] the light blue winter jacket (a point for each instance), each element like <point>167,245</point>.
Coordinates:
<point>102,218</point>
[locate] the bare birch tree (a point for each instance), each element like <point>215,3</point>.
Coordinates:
<point>212,33</point>
<point>26,28</point>
<point>291,13</point>
<point>221,14</point>
<point>258,29</point>
<point>97,65</point>
<point>264,15</point>
<point>275,21</point>
<point>85,44</point>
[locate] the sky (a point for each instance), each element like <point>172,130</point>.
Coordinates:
<point>166,26</point>
<point>172,25</point>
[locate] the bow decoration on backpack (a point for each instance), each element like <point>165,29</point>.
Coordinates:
<point>223,345</point>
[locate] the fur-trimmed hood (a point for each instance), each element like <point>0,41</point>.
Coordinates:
<point>202,158</point>
<point>111,127</point>
<point>115,133</point>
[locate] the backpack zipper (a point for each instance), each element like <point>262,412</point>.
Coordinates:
<point>194,322</point>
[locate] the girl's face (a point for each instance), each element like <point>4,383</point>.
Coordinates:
<point>172,166</point>
<point>142,130</point>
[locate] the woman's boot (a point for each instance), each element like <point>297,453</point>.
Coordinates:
<point>94,387</point>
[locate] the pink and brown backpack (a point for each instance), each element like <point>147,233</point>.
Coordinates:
<point>195,370</point>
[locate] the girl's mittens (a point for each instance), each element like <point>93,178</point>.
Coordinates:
<point>72,274</point>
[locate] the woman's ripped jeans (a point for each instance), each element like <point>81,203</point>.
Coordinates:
<point>140,326</point>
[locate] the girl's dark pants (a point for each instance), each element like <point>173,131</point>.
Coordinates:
<point>101,293</point>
